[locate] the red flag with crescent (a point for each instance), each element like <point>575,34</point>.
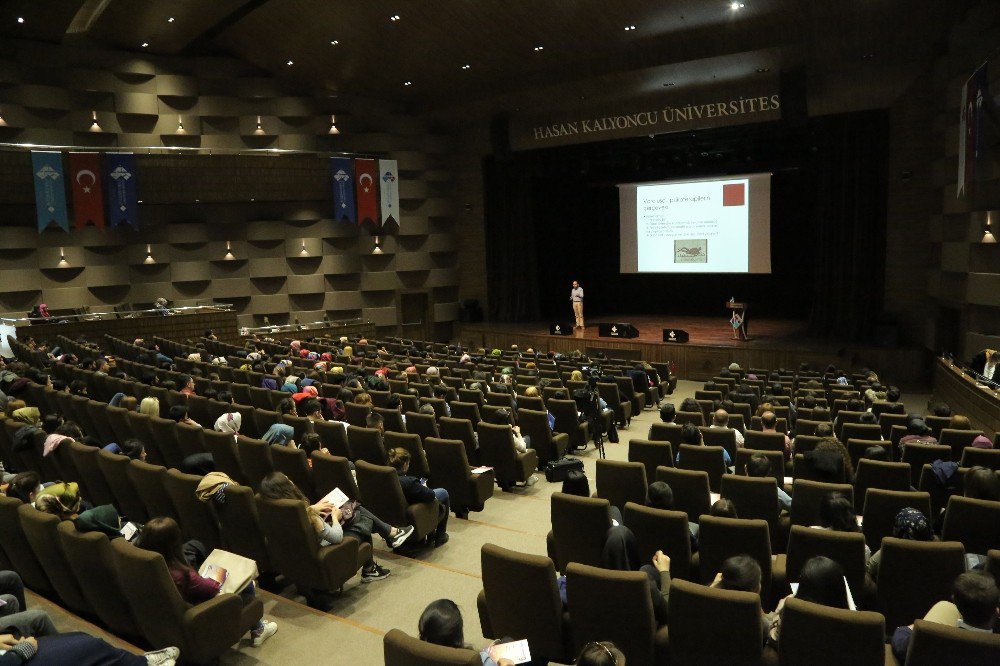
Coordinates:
<point>366,189</point>
<point>88,189</point>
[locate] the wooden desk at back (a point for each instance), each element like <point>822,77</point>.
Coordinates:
<point>980,403</point>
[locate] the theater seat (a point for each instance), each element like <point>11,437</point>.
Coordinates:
<point>401,649</point>
<point>449,469</point>
<point>202,631</point>
<point>382,495</point>
<point>818,635</point>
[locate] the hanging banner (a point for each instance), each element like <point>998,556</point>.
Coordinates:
<point>122,197</point>
<point>390,195</point>
<point>50,190</point>
<point>366,180</point>
<point>976,103</point>
<point>88,189</point>
<point>343,189</point>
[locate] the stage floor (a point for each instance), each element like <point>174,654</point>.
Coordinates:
<point>714,331</point>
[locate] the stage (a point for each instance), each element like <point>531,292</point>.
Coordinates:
<point>773,343</point>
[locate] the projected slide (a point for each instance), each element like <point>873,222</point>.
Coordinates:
<point>719,225</point>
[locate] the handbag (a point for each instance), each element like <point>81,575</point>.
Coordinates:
<point>347,511</point>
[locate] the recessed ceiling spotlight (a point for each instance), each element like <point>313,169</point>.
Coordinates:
<point>408,83</point>
<point>761,70</point>
<point>867,56</point>
<point>145,44</point>
<point>466,66</point>
<point>394,18</point>
<point>334,42</point>
<point>290,63</point>
<point>735,6</point>
<point>170,20</point>
<point>629,28</point>
<point>20,19</point>
<point>539,48</point>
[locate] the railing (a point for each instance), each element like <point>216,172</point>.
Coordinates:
<point>291,328</point>
<point>115,314</point>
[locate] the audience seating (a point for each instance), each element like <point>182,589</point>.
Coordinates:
<point>615,606</point>
<point>660,529</point>
<point>463,430</point>
<point>202,631</point>
<point>651,454</point>
<point>722,538</point>
<point>579,529</point>
<point>757,498</point>
<point>496,450</point>
<point>708,459</point>
<point>690,488</point>
<point>807,496</point>
<point>914,575</point>
<point>382,495</point>
<point>973,522</point>
<point>401,649</point>
<point>18,552</point>
<point>818,635</point>
<point>696,615</point>
<point>411,443</point>
<point>665,432</point>
<point>621,482</point>
<point>764,441</point>
<point>148,483</point>
<point>329,472</point>
<point>295,552</point>
<point>845,548</point>
<point>547,444</point>
<point>520,598</point>
<point>881,475</point>
<point>40,531</point>
<point>567,422</point>
<point>918,455</point>
<point>115,470</point>
<point>934,643</point>
<point>449,469</point>
<point>881,508</point>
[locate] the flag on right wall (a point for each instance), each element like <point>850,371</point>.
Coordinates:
<point>389,186</point>
<point>976,103</point>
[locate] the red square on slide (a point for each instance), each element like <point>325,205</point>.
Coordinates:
<point>734,195</point>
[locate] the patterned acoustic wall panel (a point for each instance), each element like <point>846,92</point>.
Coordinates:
<point>248,228</point>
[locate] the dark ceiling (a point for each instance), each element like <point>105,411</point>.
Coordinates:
<point>861,45</point>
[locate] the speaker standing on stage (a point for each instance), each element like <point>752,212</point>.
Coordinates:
<point>576,297</point>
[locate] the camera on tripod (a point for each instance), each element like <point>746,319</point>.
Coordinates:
<point>588,404</point>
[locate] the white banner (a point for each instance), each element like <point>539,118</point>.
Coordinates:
<point>389,194</point>
<point>5,349</point>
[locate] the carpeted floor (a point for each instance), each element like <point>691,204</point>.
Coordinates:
<point>352,632</point>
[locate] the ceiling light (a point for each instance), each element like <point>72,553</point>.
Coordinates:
<point>408,83</point>
<point>539,48</point>
<point>629,28</point>
<point>145,44</point>
<point>736,6</point>
<point>20,19</point>
<point>761,70</point>
<point>170,20</point>
<point>466,66</point>
<point>334,42</point>
<point>394,18</point>
<point>290,63</point>
<point>333,125</point>
<point>867,56</point>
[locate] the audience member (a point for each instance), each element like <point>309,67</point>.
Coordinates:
<point>416,491</point>
<point>720,420</point>
<point>759,466</point>
<point>441,624</point>
<point>909,524</point>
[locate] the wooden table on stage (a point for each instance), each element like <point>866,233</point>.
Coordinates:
<point>740,311</point>
<point>961,392</point>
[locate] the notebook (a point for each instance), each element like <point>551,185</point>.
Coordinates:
<point>336,497</point>
<point>233,572</point>
<point>516,651</point>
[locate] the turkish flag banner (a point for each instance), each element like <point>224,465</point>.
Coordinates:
<point>88,189</point>
<point>366,184</point>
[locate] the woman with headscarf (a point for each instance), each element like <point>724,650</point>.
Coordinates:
<point>280,434</point>
<point>306,392</point>
<point>909,524</point>
<point>229,423</point>
<point>269,383</point>
<point>63,500</point>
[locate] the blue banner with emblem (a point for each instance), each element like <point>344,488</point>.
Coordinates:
<point>343,189</point>
<point>122,195</point>
<point>50,190</point>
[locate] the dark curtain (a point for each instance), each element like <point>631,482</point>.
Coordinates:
<point>851,171</point>
<point>510,242</point>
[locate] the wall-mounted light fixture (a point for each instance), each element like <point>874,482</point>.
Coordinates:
<point>3,123</point>
<point>229,251</point>
<point>62,258</point>
<point>94,126</point>
<point>304,251</point>
<point>333,125</point>
<point>378,247</point>
<point>180,126</point>
<point>149,255</point>
<point>260,128</point>
<point>988,236</point>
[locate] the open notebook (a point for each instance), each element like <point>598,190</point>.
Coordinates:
<point>850,597</point>
<point>234,572</point>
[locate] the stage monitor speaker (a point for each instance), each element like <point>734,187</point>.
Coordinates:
<point>617,330</point>
<point>560,328</point>
<point>675,335</point>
